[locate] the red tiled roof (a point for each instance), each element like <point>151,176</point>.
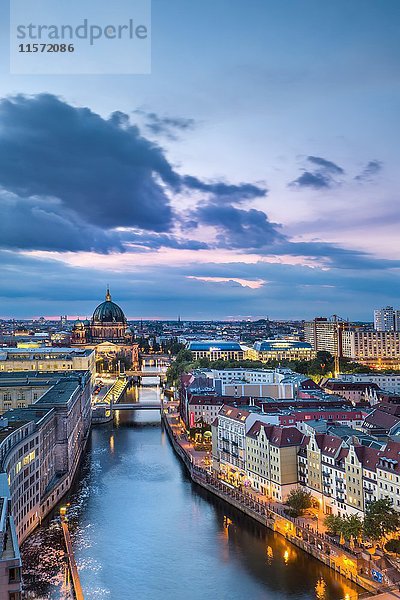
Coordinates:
<point>278,436</point>
<point>234,413</point>
<point>342,454</point>
<point>328,444</point>
<point>356,387</point>
<point>380,419</point>
<point>392,409</point>
<point>206,400</point>
<point>368,457</point>
<point>309,384</point>
<point>391,452</point>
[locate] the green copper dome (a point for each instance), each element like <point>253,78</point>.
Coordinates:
<point>108,312</point>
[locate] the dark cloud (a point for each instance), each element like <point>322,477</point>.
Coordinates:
<point>165,126</point>
<point>250,231</point>
<point>333,255</point>
<point>322,176</point>
<point>76,178</point>
<point>327,165</point>
<point>40,224</point>
<point>100,168</point>
<point>238,228</point>
<point>370,170</point>
<point>225,192</point>
<point>313,180</point>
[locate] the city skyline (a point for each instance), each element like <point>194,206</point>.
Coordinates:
<point>237,180</point>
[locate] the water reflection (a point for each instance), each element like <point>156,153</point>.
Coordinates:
<point>141,529</point>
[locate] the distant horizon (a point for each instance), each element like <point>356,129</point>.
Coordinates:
<point>183,320</point>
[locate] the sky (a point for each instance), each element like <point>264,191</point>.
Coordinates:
<point>253,173</point>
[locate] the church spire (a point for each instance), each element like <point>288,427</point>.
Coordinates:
<point>108,295</point>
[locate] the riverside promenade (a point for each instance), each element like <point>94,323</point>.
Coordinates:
<point>356,565</point>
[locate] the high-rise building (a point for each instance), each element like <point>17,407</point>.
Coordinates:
<point>397,320</point>
<point>325,335</point>
<point>386,319</point>
<point>373,348</point>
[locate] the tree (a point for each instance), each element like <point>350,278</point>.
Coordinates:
<point>381,519</point>
<point>182,363</point>
<point>352,526</point>
<point>298,501</point>
<point>334,524</point>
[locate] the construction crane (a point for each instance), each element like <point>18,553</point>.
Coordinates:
<point>338,320</point>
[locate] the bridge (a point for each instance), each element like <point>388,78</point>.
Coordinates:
<point>135,406</point>
<point>104,413</point>
<point>147,373</point>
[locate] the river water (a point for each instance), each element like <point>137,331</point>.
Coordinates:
<point>142,531</point>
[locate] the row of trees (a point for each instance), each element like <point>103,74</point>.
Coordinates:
<point>381,520</point>
<point>150,344</point>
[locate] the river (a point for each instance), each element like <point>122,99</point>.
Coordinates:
<point>142,531</point>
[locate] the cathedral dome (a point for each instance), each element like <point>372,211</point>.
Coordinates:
<point>108,312</point>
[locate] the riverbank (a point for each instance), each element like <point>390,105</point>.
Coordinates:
<point>356,566</point>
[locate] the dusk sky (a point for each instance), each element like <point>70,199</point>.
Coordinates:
<point>254,172</point>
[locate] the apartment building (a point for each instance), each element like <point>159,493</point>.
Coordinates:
<point>388,473</point>
<point>373,348</point>
<point>388,383</point>
<point>355,392</point>
<point>343,468</point>
<point>204,409</point>
<point>271,459</point>
<point>387,319</point>
<point>40,449</point>
<point>230,456</point>
<point>383,421</point>
<point>10,558</point>
<point>337,464</point>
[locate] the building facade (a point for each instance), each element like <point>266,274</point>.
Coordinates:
<point>216,350</point>
<point>388,383</point>
<point>355,392</point>
<point>47,360</point>
<point>387,319</point>
<point>281,350</point>
<point>271,459</point>
<point>40,449</point>
<point>229,458</point>
<point>325,335</point>
<point>10,558</point>
<point>373,348</point>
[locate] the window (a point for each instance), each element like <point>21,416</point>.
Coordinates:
<point>14,575</point>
